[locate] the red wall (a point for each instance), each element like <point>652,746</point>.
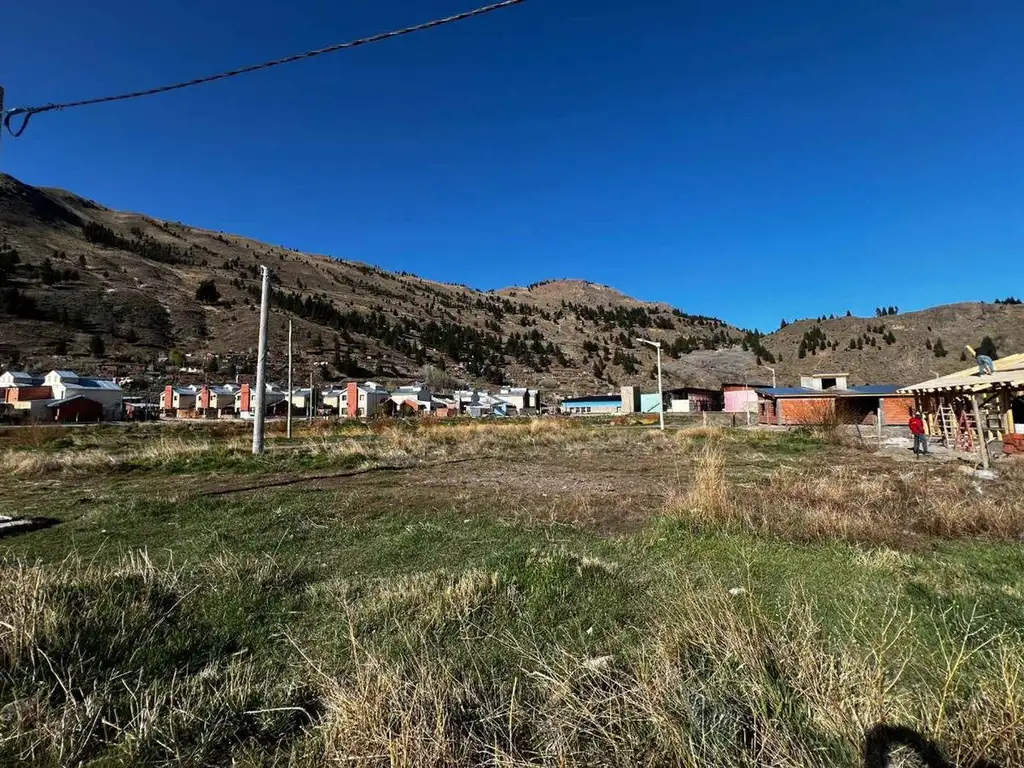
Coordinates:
<point>804,410</point>
<point>21,394</point>
<point>897,410</point>
<point>246,398</point>
<point>353,399</point>
<point>78,410</point>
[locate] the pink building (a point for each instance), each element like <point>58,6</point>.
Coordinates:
<point>740,398</point>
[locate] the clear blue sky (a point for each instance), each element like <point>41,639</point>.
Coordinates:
<point>749,160</point>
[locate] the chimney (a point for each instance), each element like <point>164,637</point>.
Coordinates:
<point>204,397</point>
<point>353,399</point>
<point>246,398</point>
<point>168,397</point>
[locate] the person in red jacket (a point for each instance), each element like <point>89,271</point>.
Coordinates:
<point>920,439</point>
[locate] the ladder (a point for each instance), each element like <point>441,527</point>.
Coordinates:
<point>947,425</point>
<point>967,429</point>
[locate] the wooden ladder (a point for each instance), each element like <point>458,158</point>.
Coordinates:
<point>967,429</point>
<point>947,423</point>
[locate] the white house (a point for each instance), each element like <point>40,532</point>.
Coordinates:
<point>178,399</point>
<point>362,400</point>
<point>520,398</point>
<point>10,379</point>
<point>415,396</point>
<point>65,384</point>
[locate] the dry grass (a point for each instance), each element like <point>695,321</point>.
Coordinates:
<point>714,680</point>
<point>852,501</point>
<point>35,463</point>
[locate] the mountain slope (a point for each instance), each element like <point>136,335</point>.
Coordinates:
<point>83,286</point>
<point>91,287</point>
<point>898,349</point>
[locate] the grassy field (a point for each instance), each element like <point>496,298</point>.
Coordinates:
<point>531,593</point>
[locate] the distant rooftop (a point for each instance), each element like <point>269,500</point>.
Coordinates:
<point>594,399</point>
<point>855,391</point>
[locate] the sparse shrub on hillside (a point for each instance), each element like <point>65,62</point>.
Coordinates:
<point>97,347</point>
<point>207,292</point>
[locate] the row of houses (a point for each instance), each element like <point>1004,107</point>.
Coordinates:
<point>353,399</point>
<point>59,396</point>
<point>819,397</point>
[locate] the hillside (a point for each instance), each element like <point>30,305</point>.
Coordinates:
<point>103,291</point>
<point>899,349</point>
<point>91,288</point>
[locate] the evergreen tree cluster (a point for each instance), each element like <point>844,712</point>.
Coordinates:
<point>140,244</point>
<point>813,340</point>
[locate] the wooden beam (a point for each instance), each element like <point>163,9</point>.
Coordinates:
<point>981,432</point>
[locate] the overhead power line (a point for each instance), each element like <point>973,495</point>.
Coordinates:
<point>26,113</point>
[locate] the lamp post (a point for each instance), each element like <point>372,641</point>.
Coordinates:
<point>661,394</point>
<point>773,373</point>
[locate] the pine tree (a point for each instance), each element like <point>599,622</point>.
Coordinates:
<point>207,292</point>
<point>987,347</point>
<point>96,345</point>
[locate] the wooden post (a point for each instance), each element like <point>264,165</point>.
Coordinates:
<point>981,431</point>
<point>878,421</point>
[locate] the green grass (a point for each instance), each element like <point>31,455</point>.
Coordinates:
<point>395,619</point>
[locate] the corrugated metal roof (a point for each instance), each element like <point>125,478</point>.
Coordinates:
<point>787,391</point>
<point>66,400</point>
<point>874,389</point>
<point>97,384</point>
<point>860,390</point>
<point>594,399</point>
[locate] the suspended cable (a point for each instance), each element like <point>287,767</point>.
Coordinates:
<point>26,113</point>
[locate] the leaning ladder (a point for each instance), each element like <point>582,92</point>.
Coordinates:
<point>967,429</point>
<point>947,423</point>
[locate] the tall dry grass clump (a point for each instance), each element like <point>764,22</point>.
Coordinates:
<point>703,495</point>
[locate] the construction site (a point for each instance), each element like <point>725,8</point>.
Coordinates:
<point>976,412</point>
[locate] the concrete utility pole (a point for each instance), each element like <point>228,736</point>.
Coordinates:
<point>661,392</point>
<point>261,368</point>
<point>309,401</point>
<point>289,430</point>
<point>773,373</point>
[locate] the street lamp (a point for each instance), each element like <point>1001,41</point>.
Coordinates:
<point>661,394</point>
<point>773,373</point>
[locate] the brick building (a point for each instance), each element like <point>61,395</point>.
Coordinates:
<point>824,397</point>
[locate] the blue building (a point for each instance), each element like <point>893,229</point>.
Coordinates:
<point>592,405</point>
